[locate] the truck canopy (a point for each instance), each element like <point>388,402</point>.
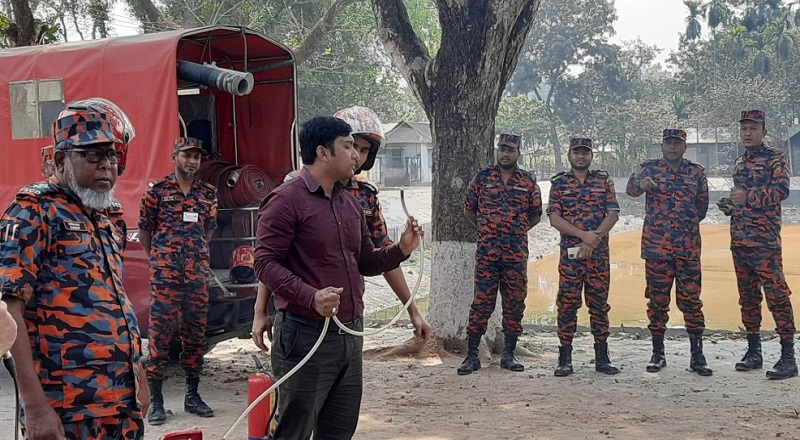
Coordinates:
<point>139,74</point>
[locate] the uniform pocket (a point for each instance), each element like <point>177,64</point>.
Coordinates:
<point>91,373</point>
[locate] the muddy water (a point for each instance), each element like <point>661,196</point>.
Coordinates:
<point>628,304</point>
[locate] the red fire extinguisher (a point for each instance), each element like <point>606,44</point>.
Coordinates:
<point>259,420</point>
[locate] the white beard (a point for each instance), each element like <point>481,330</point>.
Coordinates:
<point>90,198</point>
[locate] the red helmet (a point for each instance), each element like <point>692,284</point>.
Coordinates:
<point>120,125</point>
<point>242,260</point>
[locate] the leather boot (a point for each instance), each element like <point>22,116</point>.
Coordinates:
<point>471,363</point>
<point>192,403</point>
<point>509,361</point>
<point>658,360</point>
<point>786,366</point>
<point>602,363</point>
<point>156,414</point>
<point>752,360</point>
<point>698,361</point>
<point>564,361</point>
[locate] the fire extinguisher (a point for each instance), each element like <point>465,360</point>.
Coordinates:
<point>260,420</point>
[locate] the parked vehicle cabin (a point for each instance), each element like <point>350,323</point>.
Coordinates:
<point>231,87</point>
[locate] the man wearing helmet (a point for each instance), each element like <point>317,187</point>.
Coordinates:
<point>176,218</point>
<point>368,137</point>
<point>62,241</point>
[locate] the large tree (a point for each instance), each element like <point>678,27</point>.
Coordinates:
<point>460,87</point>
<point>567,35</point>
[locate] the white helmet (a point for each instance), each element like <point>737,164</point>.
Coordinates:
<point>366,124</point>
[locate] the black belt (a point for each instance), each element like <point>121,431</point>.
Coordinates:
<point>355,324</point>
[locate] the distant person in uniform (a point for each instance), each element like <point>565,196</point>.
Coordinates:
<point>78,349</point>
<point>504,202</point>
<point>676,202</point>
<point>760,184</point>
<point>177,216</point>
<point>583,208</point>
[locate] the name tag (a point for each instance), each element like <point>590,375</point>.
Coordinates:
<point>190,216</point>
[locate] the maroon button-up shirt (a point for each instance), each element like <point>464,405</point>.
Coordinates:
<point>307,241</point>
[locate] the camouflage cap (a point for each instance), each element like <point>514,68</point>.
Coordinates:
<point>79,126</point>
<point>512,140</point>
<point>578,142</point>
<point>187,143</point>
<point>675,133</point>
<point>753,115</point>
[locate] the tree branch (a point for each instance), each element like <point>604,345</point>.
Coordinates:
<point>312,41</point>
<point>406,50</point>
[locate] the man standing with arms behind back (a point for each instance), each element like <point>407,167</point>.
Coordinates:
<point>677,201</point>
<point>504,203</point>
<point>176,219</point>
<point>760,184</point>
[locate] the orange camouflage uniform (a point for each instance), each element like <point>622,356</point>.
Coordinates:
<point>179,270</point>
<point>585,205</point>
<point>671,240</point>
<point>504,213</point>
<point>65,264</point>
<point>756,239</point>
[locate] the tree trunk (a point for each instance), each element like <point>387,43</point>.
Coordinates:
<point>23,31</point>
<point>460,90</point>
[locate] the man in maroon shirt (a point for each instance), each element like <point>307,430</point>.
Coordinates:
<point>312,249</point>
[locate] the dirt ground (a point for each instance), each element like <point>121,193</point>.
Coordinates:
<point>424,399</point>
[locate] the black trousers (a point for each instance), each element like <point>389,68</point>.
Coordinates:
<point>324,396</point>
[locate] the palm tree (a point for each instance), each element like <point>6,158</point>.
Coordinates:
<point>696,11</point>
<point>680,105</point>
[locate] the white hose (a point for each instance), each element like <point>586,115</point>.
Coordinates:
<point>313,350</point>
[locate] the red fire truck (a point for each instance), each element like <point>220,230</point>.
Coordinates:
<point>231,87</point>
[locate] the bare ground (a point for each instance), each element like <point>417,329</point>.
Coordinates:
<point>421,397</point>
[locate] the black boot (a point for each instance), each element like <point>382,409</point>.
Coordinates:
<point>752,360</point>
<point>564,361</point>
<point>156,414</point>
<point>786,366</point>
<point>698,361</point>
<point>509,361</point>
<point>471,363</point>
<point>192,402</point>
<point>602,363</point>
<point>658,360</point>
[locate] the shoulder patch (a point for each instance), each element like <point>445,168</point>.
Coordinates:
<point>369,184</point>
<point>649,162</point>
<point>34,190</point>
<point>207,185</point>
<point>696,165</point>
<point>157,183</point>
<point>558,176</point>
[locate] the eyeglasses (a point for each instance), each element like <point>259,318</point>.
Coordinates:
<point>95,155</point>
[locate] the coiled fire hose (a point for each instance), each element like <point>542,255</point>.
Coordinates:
<point>313,350</point>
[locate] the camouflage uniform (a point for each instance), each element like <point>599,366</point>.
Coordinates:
<point>671,240</point>
<point>756,239</point>
<point>367,194</point>
<point>504,212</point>
<point>585,205</point>
<point>66,265</point>
<point>179,270</point>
